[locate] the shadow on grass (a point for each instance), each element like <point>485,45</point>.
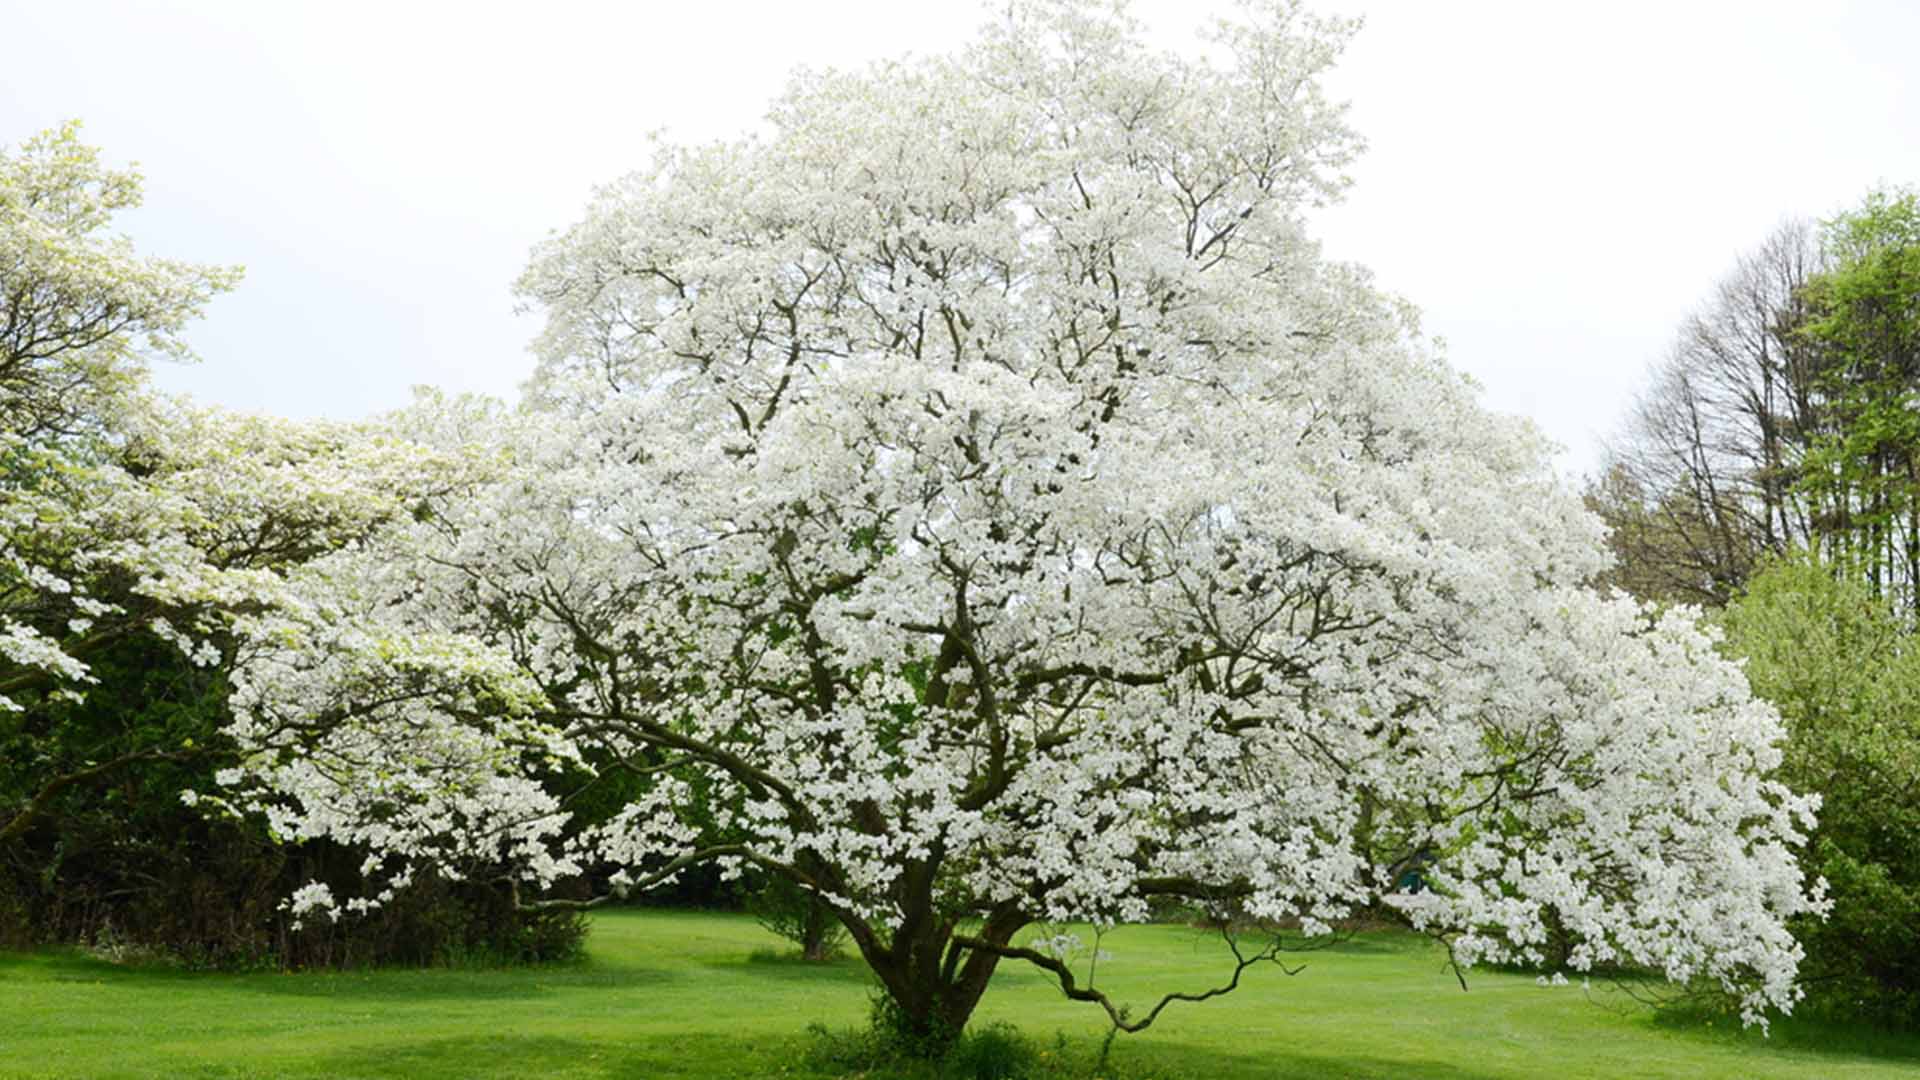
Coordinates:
<point>495,1055</point>
<point>67,964</point>
<point>1377,943</point>
<point>719,1056</point>
<point>507,1055</point>
<point>60,965</point>
<point>1828,1039</point>
<point>379,984</point>
<point>1281,1064</point>
<point>791,967</point>
<point>421,984</point>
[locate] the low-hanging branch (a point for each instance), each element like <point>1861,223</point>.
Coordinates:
<point>1118,1014</point>
<point>658,877</point>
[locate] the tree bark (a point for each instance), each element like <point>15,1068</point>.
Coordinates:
<point>933,982</point>
<point>819,922</point>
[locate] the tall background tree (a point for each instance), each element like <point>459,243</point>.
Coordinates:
<point>1862,475</point>
<point>1783,418</point>
<point>1704,480</point>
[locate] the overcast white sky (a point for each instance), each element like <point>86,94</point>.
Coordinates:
<point>1553,184</point>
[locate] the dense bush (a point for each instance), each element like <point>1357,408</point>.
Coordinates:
<point>1846,677</point>
<point>210,894</point>
<point>115,858</point>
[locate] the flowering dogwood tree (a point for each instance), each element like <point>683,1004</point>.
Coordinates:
<point>979,503</point>
<point>80,313</point>
<point>123,513</point>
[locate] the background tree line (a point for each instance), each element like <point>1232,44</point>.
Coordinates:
<point>1784,418</point>
<point>1771,471</point>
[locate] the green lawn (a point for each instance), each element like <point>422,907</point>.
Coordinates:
<point>671,994</point>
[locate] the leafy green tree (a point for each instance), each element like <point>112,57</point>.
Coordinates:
<point>1863,471</point>
<point>1846,678</point>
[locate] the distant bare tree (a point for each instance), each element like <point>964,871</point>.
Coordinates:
<point>1701,482</point>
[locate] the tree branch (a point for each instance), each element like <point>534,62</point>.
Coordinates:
<point>1118,1013</point>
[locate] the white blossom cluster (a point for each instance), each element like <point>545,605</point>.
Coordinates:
<point>189,529</point>
<point>979,500</point>
<point>123,512</point>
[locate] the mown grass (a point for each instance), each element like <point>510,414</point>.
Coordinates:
<point>676,994</point>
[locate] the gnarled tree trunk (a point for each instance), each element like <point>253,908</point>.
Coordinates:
<point>932,981</point>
